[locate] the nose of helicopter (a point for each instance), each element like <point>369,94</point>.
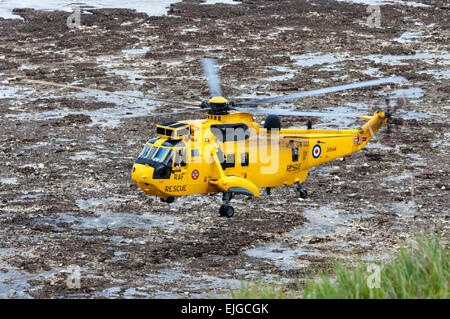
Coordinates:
<point>142,176</point>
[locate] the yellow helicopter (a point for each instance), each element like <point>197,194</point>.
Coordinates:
<point>229,153</point>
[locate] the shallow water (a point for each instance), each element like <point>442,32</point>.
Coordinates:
<point>8,180</point>
<point>151,7</point>
<point>284,258</point>
<point>310,59</point>
<point>221,1</point>
<point>427,57</point>
<point>384,2</point>
<point>321,222</point>
<point>172,283</point>
<point>13,282</point>
<point>127,107</point>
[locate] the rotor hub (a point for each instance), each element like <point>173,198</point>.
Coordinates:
<point>218,106</point>
<point>218,100</point>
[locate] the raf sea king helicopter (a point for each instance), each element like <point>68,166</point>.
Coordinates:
<point>231,154</point>
<point>228,152</point>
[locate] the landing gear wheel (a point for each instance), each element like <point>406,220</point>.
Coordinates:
<point>226,211</point>
<point>168,200</point>
<point>303,193</point>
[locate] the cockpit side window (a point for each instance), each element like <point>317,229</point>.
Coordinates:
<point>145,151</point>
<point>160,154</point>
<point>168,159</point>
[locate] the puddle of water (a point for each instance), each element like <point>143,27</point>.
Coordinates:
<point>411,36</point>
<point>137,51</point>
<point>130,76</point>
<point>371,71</point>
<point>104,220</point>
<point>322,222</point>
<point>16,280</point>
<point>438,74</point>
<point>399,178</point>
<point>107,117</point>
<point>85,155</point>
<point>151,7</point>
<point>189,30</point>
<point>9,92</point>
<point>171,283</point>
<point>310,59</point>
<point>285,28</point>
<point>431,58</point>
<point>175,275</point>
<point>283,258</point>
<point>386,2</point>
<point>414,95</point>
<point>375,145</point>
<point>221,1</point>
<point>404,210</point>
<point>289,73</point>
<point>8,180</point>
<point>27,195</point>
<point>402,183</point>
<point>107,218</point>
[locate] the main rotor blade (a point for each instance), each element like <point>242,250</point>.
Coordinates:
<point>183,103</point>
<point>324,90</point>
<point>209,67</point>
<point>294,113</point>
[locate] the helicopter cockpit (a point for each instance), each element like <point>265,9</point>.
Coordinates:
<point>159,154</point>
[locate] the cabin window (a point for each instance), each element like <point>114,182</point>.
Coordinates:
<point>229,162</point>
<point>180,158</point>
<point>244,159</point>
<point>195,153</point>
<point>230,159</point>
<point>295,154</point>
<point>231,132</point>
<point>220,155</point>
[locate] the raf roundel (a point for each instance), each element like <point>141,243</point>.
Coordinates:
<point>195,174</point>
<point>316,151</point>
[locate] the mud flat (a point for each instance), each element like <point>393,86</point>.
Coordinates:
<point>65,156</point>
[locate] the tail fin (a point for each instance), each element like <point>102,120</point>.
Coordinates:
<point>371,128</point>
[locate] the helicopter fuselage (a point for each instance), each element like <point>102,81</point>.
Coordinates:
<point>231,153</point>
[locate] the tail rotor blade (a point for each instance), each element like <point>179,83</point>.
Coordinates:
<point>209,67</point>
